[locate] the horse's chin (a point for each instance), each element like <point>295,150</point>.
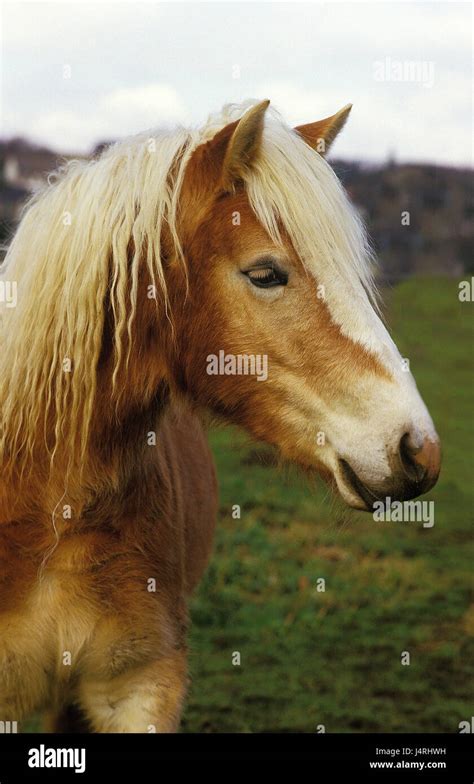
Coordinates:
<point>352,490</point>
<point>341,490</point>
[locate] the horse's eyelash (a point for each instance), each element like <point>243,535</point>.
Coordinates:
<point>262,272</point>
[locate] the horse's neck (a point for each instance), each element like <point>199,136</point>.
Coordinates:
<point>122,437</point>
<point>116,459</point>
<point>131,399</point>
<point>127,408</point>
<point>125,424</point>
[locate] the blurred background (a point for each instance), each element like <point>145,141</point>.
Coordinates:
<point>76,77</point>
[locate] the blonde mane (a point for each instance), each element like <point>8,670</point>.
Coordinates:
<point>84,236</point>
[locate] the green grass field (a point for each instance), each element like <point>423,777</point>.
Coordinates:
<point>334,658</point>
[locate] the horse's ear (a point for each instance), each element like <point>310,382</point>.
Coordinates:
<point>243,145</point>
<point>321,134</point>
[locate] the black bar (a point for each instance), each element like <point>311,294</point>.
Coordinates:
<point>128,756</point>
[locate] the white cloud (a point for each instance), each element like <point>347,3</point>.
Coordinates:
<point>138,108</point>
<point>119,113</point>
<point>299,104</point>
<point>387,118</point>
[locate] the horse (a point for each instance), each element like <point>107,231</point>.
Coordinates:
<point>133,270</point>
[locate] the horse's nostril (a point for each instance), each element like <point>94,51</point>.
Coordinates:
<point>408,455</point>
<point>421,463</point>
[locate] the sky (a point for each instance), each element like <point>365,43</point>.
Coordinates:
<point>74,74</point>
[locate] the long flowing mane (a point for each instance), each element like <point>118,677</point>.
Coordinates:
<point>84,237</point>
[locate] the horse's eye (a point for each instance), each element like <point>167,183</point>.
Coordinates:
<point>267,277</point>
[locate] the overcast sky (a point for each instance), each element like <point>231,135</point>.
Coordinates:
<point>77,73</point>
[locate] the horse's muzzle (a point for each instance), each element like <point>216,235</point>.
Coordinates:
<point>415,471</point>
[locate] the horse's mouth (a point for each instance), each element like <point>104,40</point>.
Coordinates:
<point>357,488</point>
<point>400,487</point>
